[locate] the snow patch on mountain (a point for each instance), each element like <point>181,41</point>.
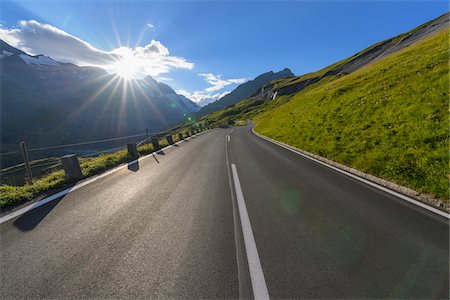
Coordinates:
<point>39,60</point>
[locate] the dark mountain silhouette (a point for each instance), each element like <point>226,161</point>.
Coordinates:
<point>45,102</point>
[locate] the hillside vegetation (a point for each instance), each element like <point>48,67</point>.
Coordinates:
<point>389,119</point>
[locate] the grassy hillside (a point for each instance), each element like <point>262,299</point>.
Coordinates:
<point>389,119</point>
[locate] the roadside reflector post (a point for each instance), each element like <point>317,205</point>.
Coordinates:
<point>71,167</point>
<point>26,161</point>
<point>169,139</point>
<point>132,150</point>
<point>180,136</point>
<point>155,143</point>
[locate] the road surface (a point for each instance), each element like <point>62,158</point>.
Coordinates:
<point>226,215</point>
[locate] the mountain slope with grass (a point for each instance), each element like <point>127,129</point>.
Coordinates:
<point>388,118</point>
<point>243,91</point>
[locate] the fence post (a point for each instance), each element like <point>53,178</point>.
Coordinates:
<point>26,161</point>
<point>187,133</point>
<point>71,167</point>
<point>169,139</point>
<point>155,142</point>
<point>132,150</point>
<point>180,136</point>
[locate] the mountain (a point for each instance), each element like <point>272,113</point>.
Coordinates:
<point>383,111</point>
<point>46,102</point>
<point>167,91</point>
<point>355,62</point>
<point>206,101</point>
<point>243,91</point>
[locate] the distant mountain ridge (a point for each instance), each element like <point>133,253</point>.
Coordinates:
<point>244,90</point>
<point>44,102</point>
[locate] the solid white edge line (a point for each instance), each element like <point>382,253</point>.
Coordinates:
<point>256,273</point>
<point>384,189</point>
<point>81,184</point>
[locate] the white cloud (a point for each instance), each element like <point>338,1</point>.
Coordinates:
<point>151,26</point>
<point>206,96</point>
<point>37,38</point>
<point>202,96</point>
<point>217,83</point>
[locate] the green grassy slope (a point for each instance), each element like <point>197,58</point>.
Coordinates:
<point>389,119</point>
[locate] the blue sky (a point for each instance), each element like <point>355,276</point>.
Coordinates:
<point>226,41</point>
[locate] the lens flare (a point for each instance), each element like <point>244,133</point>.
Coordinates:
<point>126,67</point>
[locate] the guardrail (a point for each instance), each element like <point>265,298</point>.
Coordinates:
<point>23,173</point>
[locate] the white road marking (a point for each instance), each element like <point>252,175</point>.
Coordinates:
<point>256,273</point>
<point>228,138</point>
<point>79,185</point>
<point>236,226</point>
<point>384,189</point>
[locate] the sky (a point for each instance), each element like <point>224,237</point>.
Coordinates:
<point>204,49</point>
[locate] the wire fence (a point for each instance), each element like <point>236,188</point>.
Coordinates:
<point>43,162</point>
<point>77,144</point>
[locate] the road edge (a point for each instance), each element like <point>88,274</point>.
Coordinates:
<point>383,184</point>
<point>32,204</point>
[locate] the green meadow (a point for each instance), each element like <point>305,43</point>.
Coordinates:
<point>389,119</point>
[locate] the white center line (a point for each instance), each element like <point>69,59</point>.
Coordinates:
<point>256,273</point>
<point>228,138</point>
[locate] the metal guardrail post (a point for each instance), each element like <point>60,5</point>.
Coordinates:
<point>26,161</point>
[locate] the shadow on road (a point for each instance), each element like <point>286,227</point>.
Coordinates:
<point>29,220</point>
<point>161,153</point>
<point>133,166</point>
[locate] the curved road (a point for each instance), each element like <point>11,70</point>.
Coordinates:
<point>226,214</point>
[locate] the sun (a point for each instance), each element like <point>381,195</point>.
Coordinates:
<point>126,67</point>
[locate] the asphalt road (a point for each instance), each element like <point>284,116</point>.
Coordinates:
<point>226,215</point>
